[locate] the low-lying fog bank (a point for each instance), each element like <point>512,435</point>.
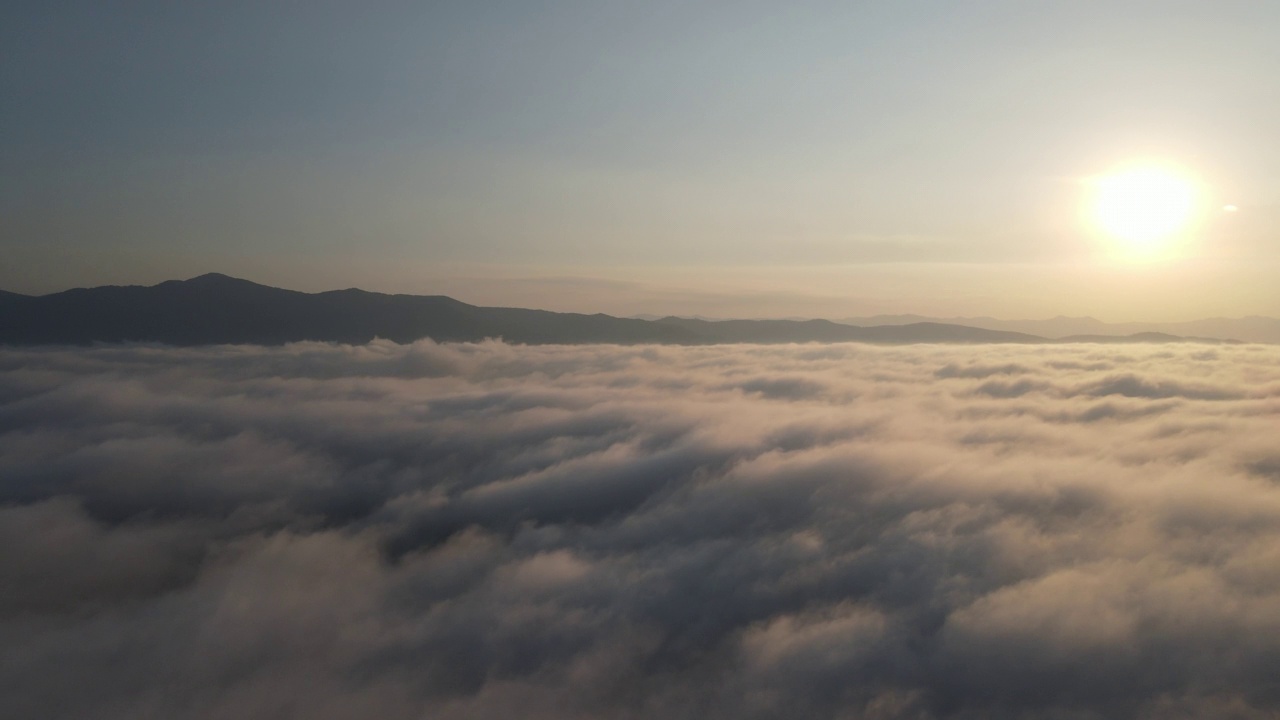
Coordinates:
<point>493,531</point>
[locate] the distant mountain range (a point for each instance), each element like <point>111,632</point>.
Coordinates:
<point>1246,329</point>
<point>217,309</point>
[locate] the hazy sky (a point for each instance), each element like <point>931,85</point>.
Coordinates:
<point>732,158</point>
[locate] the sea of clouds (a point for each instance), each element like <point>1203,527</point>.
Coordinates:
<point>494,531</point>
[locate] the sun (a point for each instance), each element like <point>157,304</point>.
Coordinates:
<point>1144,210</point>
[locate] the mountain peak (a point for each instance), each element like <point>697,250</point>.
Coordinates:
<point>213,278</point>
<point>212,281</point>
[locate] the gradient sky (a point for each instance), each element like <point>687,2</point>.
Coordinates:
<point>724,158</point>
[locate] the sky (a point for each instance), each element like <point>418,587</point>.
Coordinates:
<point>728,159</point>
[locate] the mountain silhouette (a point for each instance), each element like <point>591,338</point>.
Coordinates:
<point>217,309</point>
<point>790,331</point>
<point>1253,328</point>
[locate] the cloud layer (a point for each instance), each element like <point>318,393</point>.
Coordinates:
<point>489,531</point>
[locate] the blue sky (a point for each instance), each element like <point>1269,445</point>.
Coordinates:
<point>928,153</point>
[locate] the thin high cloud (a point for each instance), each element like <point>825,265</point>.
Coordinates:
<point>474,531</point>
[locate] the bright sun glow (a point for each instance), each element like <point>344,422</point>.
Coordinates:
<point>1144,209</point>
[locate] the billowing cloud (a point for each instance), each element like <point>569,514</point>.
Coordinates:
<point>490,531</point>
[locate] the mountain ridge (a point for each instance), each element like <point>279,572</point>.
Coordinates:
<point>1249,328</point>
<point>219,309</point>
